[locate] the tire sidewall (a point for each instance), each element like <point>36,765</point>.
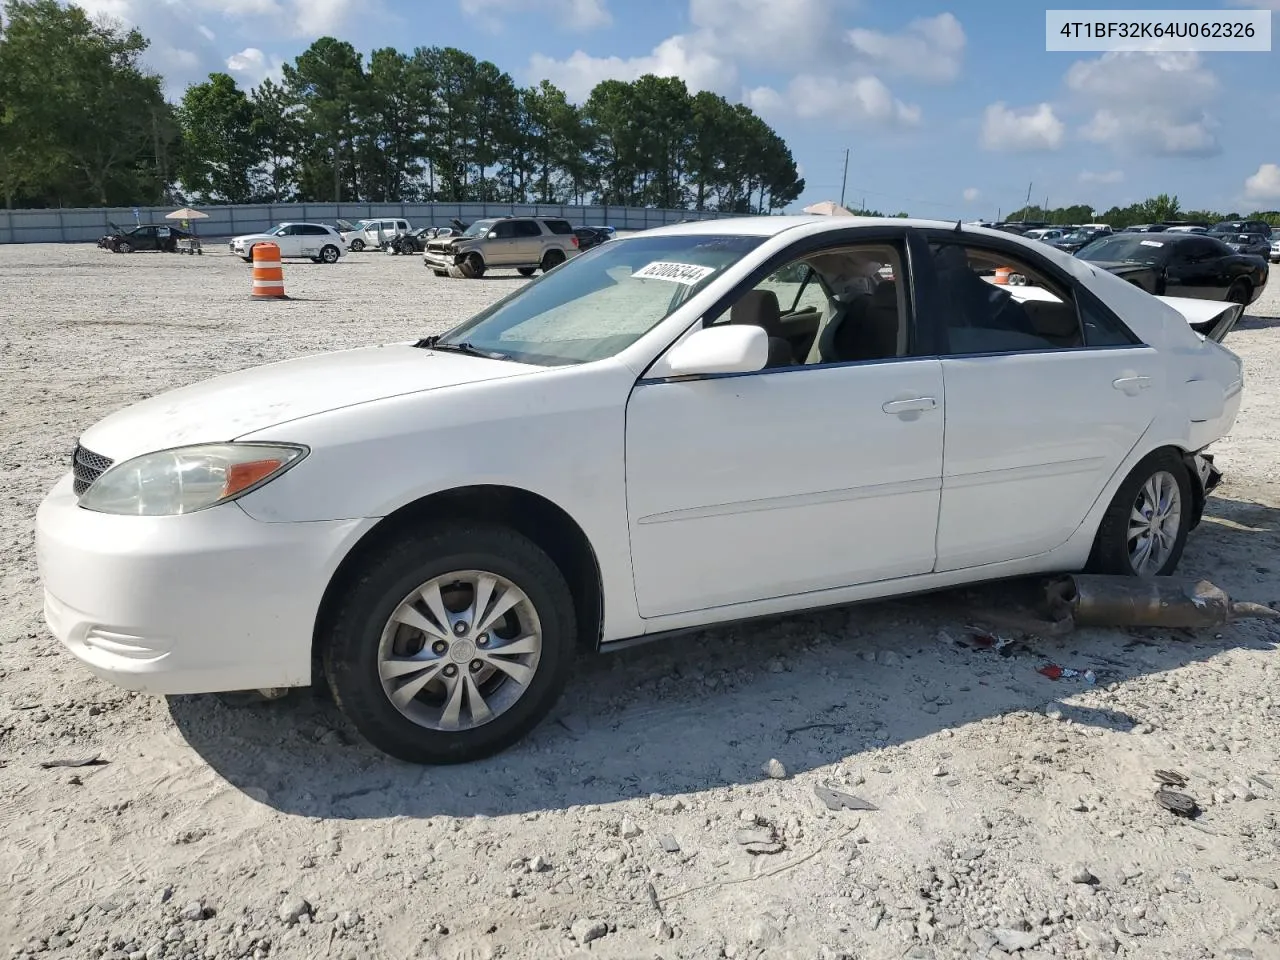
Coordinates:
<point>329,253</point>
<point>1111,550</point>
<point>351,653</point>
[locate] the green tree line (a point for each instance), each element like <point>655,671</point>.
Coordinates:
<point>83,123</point>
<point>1152,210</point>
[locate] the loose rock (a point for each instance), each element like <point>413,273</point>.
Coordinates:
<point>584,931</point>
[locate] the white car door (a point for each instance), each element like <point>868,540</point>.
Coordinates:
<point>1047,393</point>
<point>289,240</point>
<point>745,487</point>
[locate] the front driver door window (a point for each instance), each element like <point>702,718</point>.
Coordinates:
<point>798,478</point>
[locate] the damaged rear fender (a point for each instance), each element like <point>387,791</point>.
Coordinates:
<point>1212,319</point>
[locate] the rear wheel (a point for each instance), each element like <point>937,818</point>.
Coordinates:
<point>451,645</point>
<point>1144,531</point>
<point>329,253</point>
<point>1239,292</point>
<point>526,271</point>
<point>552,259</point>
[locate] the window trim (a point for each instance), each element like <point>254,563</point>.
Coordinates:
<point>900,237</point>
<point>927,279</point>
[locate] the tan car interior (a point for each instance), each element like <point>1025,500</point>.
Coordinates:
<point>835,306</point>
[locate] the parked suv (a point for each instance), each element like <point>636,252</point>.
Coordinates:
<point>524,243</point>
<point>372,233</point>
<point>314,241</point>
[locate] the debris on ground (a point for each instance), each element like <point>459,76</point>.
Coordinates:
<point>95,760</point>
<point>839,800</point>
<point>1055,672</point>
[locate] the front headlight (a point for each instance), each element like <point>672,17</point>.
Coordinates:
<point>186,479</point>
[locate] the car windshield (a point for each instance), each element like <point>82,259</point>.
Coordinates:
<point>1080,236</point>
<point>1226,227</point>
<point>601,301</point>
<point>1133,248</point>
<point>479,228</point>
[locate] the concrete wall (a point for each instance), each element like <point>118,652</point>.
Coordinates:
<point>87,224</point>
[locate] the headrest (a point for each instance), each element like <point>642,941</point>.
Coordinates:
<point>951,256</point>
<point>885,295</point>
<point>758,308</point>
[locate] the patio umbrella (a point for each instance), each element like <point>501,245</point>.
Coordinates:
<point>828,208</point>
<point>186,214</point>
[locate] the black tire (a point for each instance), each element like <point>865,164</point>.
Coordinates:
<point>552,259</point>
<point>356,246</point>
<point>124,246</point>
<point>526,271</point>
<point>441,273</point>
<point>329,253</point>
<point>351,636</point>
<point>1111,545</point>
<point>472,267</point>
<point>247,259</point>
<point>1239,292</point>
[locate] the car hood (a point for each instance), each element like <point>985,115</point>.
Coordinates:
<point>246,237</point>
<point>240,403</point>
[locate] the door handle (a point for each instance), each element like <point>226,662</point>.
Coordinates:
<point>1131,385</point>
<point>914,405</point>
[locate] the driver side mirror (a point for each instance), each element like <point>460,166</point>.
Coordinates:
<point>493,234</point>
<point>719,349</point>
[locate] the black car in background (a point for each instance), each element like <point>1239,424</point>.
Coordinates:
<point>590,236</point>
<point>1079,239</point>
<point>1227,227</point>
<point>1254,244</point>
<point>147,236</point>
<point>1180,265</point>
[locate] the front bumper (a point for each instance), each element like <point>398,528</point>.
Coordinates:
<point>207,602</point>
<point>438,260</point>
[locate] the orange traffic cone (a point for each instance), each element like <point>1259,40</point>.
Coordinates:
<point>1002,274</point>
<point>268,274</point>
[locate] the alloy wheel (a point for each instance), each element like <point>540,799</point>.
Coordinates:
<point>459,650</point>
<point>1154,523</point>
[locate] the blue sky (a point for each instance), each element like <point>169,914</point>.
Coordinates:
<point>948,110</point>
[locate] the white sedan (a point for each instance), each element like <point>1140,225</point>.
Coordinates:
<point>318,242</point>
<point>691,425</point>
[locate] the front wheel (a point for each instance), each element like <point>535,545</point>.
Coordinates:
<point>451,645</point>
<point>329,253</point>
<point>124,246</point>
<point>1144,531</point>
<point>551,259</point>
<point>357,246</point>
<point>526,271</point>
<point>1239,292</point>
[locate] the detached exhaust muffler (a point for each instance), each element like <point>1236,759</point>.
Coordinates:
<point>1087,600</point>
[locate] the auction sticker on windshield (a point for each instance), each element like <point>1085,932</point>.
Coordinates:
<point>689,273</point>
<point>1151,243</point>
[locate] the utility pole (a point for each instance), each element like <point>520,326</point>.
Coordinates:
<point>1027,203</point>
<point>844,179</point>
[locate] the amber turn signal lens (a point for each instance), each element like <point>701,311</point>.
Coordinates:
<point>240,476</point>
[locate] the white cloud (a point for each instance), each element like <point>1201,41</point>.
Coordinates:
<point>793,33</point>
<point>1030,129</point>
<point>1105,176</point>
<point>184,35</point>
<point>1265,184</point>
<point>971,194</point>
<point>1148,103</point>
<point>676,56</point>
<point>931,48</point>
<point>251,66</point>
<point>580,15</point>
<point>843,103</point>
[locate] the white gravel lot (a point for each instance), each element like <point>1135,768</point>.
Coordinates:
<point>638,822</point>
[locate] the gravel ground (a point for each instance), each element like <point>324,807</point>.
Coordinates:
<point>1015,814</point>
